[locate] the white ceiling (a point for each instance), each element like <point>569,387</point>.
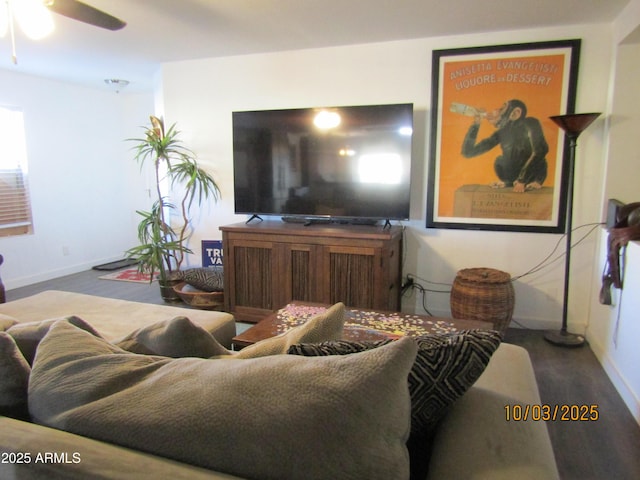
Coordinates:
<point>168,30</point>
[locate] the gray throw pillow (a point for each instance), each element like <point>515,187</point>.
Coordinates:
<point>14,379</point>
<point>324,326</point>
<point>28,335</point>
<point>6,321</point>
<point>278,417</point>
<point>177,337</point>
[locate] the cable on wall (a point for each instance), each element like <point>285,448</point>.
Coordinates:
<point>413,282</point>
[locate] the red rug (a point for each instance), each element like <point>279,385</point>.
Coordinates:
<point>129,275</point>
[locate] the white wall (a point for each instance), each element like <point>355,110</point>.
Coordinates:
<point>201,94</point>
<point>614,331</point>
<point>624,124</point>
<point>84,184</point>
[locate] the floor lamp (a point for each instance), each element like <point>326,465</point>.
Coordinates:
<point>573,124</point>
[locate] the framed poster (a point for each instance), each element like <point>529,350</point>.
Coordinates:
<point>497,162</point>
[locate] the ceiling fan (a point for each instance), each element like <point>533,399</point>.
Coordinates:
<point>35,20</point>
<point>84,13</point>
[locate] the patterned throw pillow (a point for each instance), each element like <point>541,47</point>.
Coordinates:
<point>207,279</point>
<point>446,366</point>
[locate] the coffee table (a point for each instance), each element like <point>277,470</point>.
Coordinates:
<point>360,325</point>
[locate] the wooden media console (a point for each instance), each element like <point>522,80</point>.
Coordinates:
<point>270,264</point>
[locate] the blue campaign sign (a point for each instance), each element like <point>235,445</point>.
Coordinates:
<point>211,253</point>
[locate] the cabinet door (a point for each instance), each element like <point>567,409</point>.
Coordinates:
<point>391,261</point>
<point>352,276</point>
<point>298,273</point>
<point>251,284</point>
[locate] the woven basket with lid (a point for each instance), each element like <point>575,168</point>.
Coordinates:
<point>484,294</point>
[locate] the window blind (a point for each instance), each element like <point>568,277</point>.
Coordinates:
<point>15,207</point>
<point>15,210</point>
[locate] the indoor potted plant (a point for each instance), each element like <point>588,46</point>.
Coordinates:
<point>163,247</point>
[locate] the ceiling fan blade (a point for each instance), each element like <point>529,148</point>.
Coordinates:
<point>84,13</point>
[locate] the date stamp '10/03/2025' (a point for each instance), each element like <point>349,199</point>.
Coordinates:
<point>552,413</point>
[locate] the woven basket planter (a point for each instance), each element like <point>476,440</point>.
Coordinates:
<point>483,294</point>
<point>198,298</point>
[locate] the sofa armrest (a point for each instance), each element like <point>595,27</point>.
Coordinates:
<point>37,452</point>
<point>476,442</point>
<point>510,373</point>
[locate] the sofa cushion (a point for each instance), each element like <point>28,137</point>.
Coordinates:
<point>28,335</point>
<point>177,337</point>
<point>208,279</point>
<point>14,379</point>
<point>115,318</point>
<point>6,321</point>
<point>324,326</point>
<point>278,417</point>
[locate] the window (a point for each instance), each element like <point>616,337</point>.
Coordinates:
<point>385,168</point>
<point>15,208</point>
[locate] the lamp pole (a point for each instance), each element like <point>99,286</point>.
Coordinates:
<point>573,125</point>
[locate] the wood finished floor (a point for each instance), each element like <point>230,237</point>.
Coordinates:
<point>606,449</point>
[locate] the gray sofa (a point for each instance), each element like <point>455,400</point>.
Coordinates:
<point>473,441</point>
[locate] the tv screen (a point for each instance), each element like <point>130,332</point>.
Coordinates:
<point>350,162</point>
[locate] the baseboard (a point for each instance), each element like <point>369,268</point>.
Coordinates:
<point>627,394</point>
<point>51,274</point>
<point>542,324</point>
<point>527,323</point>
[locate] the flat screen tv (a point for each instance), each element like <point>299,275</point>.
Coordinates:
<point>348,163</point>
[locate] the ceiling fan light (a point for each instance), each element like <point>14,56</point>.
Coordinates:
<point>116,84</point>
<point>34,18</point>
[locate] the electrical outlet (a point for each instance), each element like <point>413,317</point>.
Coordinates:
<point>65,251</point>
<point>612,211</point>
<point>407,284</point>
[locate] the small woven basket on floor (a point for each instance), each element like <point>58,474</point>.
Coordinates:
<point>483,294</point>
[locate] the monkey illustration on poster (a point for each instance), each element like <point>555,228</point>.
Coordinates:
<point>496,159</point>
<point>523,163</point>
